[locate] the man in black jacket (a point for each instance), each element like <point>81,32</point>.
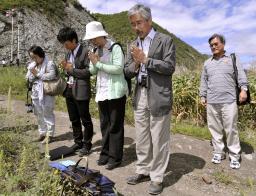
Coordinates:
<point>78,92</point>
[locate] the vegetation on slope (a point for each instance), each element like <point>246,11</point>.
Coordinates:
<point>51,8</point>
<point>117,25</point>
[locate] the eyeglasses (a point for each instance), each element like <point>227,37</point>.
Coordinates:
<point>214,44</point>
<point>139,23</point>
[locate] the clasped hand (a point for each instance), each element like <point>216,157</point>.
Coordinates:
<point>138,56</point>
<point>34,71</point>
<point>67,66</point>
<point>94,58</point>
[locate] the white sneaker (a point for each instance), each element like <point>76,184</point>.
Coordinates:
<point>217,158</point>
<point>234,164</point>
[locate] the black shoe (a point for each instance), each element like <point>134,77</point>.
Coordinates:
<point>76,147</point>
<point>111,166</point>
<point>138,178</point>
<point>101,162</point>
<point>40,138</point>
<point>155,188</point>
<point>84,151</point>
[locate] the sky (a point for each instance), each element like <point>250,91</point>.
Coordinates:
<point>194,21</point>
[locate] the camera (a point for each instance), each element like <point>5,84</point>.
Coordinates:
<point>143,82</point>
<point>29,108</point>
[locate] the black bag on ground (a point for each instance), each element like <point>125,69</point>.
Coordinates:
<point>238,89</point>
<point>60,152</point>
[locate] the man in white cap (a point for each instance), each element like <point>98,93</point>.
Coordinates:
<point>107,62</point>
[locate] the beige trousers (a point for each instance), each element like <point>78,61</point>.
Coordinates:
<point>152,139</point>
<point>222,119</point>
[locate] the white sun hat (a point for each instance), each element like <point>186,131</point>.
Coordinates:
<point>94,29</point>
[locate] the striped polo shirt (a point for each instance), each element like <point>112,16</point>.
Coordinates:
<point>218,80</point>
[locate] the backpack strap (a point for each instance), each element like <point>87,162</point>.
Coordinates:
<point>116,43</point>
<point>128,80</point>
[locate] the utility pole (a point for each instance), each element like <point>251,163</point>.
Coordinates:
<point>18,52</point>
<point>12,41</point>
<point>12,14</point>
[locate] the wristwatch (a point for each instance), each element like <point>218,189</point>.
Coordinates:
<point>244,88</point>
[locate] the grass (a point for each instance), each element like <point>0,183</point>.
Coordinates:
<point>250,182</point>
<point>21,167</point>
<point>245,187</point>
<point>189,117</point>
<point>222,177</point>
<point>54,10</point>
<point>191,130</point>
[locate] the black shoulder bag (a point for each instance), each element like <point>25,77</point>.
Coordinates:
<point>238,89</point>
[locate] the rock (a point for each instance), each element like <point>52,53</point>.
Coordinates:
<point>2,25</point>
<point>207,179</point>
<point>179,146</point>
<point>35,28</point>
<point>248,156</point>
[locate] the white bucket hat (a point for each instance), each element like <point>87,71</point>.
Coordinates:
<point>94,29</point>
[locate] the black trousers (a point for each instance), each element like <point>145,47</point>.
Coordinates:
<point>79,111</point>
<point>112,128</point>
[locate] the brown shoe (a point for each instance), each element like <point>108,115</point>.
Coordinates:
<point>138,178</point>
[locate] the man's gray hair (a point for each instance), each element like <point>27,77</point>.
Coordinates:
<point>219,36</point>
<point>143,10</point>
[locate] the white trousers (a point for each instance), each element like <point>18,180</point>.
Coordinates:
<point>222,119</point>
<point>45,115</point>
<point>152,139</point>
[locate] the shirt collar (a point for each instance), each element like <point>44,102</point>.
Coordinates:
<point>45,62</point>
<point>224,55</point>
<point>75,50</point>
<point>150,35</point>
<point>108,44</point>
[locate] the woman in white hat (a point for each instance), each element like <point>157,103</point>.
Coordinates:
<point>107,61</point>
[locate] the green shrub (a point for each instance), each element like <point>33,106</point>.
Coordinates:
<point>22,169</point>
<point>118,26</point>
<point>186,102</point>
<point>54,10</point>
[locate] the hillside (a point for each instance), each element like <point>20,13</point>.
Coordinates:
<point>38,22</point>
<point>118,26</point>
<point>54,10</point>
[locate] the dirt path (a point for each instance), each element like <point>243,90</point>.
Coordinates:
<point>189,162</point>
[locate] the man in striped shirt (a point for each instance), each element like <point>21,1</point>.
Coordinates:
<point>218,93</point>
